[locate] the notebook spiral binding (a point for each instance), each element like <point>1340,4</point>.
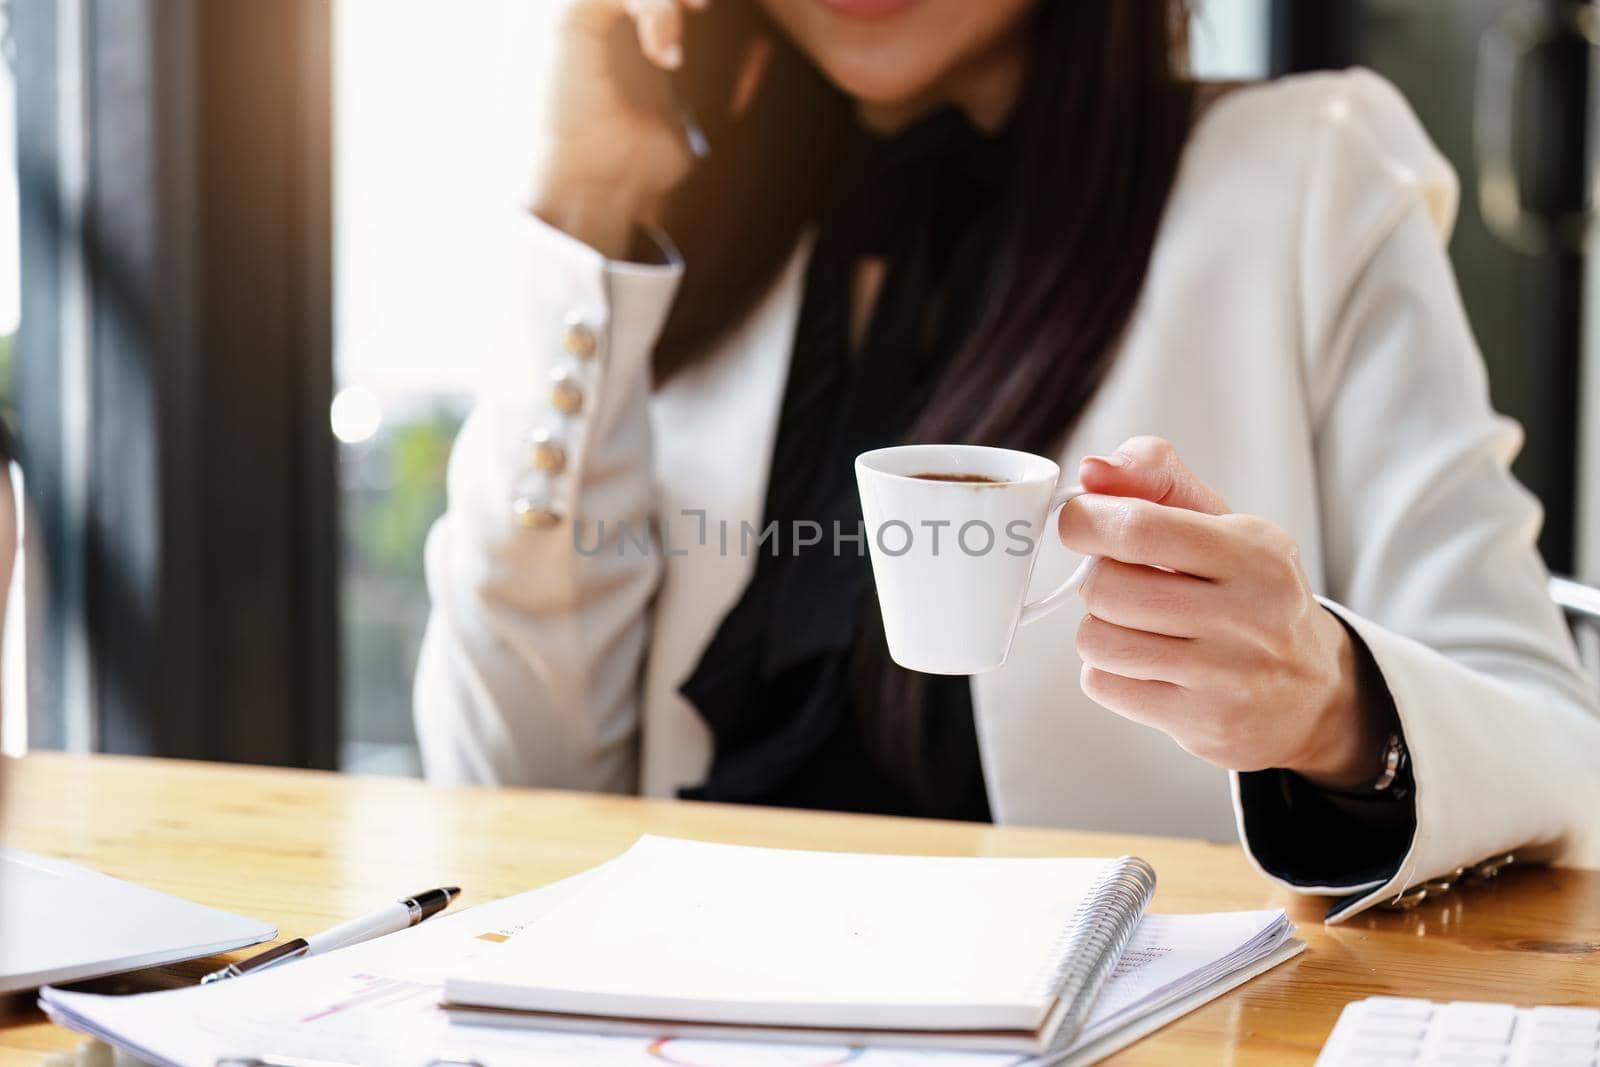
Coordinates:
<point>1093,942</point>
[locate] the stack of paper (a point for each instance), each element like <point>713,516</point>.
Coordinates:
<point>1174,964</point>
<point>379,1003</point>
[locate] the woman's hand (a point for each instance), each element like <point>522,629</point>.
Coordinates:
<point>603,163</point>
<point>1201,624</point>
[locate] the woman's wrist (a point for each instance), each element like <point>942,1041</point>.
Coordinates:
<point>602,217</point>
<point>1355,724</point>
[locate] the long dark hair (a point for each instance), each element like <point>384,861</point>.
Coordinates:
<point>1100,127</point>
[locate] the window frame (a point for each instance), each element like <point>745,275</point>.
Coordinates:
<point>174,375</point>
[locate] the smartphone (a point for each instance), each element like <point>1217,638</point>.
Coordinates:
<point>696,97</point>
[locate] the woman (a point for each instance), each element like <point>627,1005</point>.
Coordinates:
<point>1014,223</point>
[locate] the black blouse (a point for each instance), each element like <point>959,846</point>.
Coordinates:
<point>782,685</point>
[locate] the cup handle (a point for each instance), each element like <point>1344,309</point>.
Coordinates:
<point>1038,609</point>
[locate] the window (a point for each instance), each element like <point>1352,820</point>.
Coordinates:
<point>426,109</point>
<point>1229,39</point>
<point>173,376</point>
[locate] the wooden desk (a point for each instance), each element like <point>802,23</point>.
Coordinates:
<point>304,849</point>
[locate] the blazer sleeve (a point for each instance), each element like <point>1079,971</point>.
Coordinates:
<point>1429,541</point>
<point>529,668</point>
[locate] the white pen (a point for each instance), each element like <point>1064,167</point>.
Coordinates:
<point>386,920</point>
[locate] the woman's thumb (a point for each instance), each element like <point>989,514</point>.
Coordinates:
<point>1150,468</point>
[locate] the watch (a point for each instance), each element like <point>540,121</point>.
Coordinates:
<point>1394,774</point>
<point>1394,779</point>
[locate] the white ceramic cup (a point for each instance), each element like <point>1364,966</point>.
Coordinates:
<point>952,595</point>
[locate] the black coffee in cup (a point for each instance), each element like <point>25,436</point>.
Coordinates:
<point>969,479</point>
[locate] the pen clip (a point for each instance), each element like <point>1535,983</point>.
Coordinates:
<point>287,951</point>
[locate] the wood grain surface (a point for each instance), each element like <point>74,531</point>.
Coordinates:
<point>306,849</point>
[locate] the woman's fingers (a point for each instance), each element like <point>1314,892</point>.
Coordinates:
<point>1144,598</point>
<point>660,27</point>
<point>1151,535</point>
<point>1136,654</point>
<point>1154,704</point>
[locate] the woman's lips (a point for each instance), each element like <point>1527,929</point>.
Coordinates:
<point>868,9</point>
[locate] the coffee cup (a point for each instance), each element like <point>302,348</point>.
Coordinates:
<point>954,532</point>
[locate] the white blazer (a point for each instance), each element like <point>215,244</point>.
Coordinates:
<point>1299,339</point>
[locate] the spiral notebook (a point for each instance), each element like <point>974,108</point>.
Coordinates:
<point>699,940</point>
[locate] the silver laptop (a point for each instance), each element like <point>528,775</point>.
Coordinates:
<point>60,922</point>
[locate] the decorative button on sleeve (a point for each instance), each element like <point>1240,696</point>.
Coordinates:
<point>534,514</point>
<point>580,337</point>
<point>566,395</point>
<point>1438,887</point>
<point>542,498</point>
<point>546,453</point>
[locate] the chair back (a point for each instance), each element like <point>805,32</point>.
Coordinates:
<point>1581,603</point>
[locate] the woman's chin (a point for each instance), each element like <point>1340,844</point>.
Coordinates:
<point>869,9</point>
<point>880,82</point>
<point>895,52</point>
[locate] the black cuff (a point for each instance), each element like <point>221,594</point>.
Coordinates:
<point>1310,838</point>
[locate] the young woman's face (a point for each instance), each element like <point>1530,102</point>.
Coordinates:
<point>897,51</point>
